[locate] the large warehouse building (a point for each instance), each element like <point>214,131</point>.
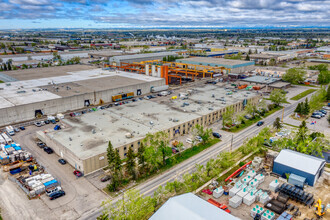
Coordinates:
<point>84,141</point>
<point>63,91</point>
<point>235,66</point>
<point>118,60</point>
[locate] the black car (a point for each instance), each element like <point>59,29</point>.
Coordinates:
<point>260,123</point>
<point>41,144</point>
<point>47,122</point>
<point>56,195</point>
<point>22,128</point>
<point>217,135</point>
<point>48,150</point>
<point>53,121</point>
<point>62,161</point>
<point>323,111</point>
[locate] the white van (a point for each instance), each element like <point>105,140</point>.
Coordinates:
<point>52,190</point>
<point>10,130</point>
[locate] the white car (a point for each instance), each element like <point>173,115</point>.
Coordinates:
<point>189,141</point>
<point>198,138</point>
<point>326,108</point>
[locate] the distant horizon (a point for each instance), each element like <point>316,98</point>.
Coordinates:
<point>142,14</point>
<point>175,28</point>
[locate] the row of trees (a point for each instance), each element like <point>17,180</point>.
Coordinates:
<point>153,154</point>
<point>295,75</point>
<point>303,108</point>
<point>137,206</point>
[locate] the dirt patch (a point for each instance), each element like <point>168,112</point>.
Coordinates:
<point>88,128</point>
<point>90,144</point>
<point>123,130</point>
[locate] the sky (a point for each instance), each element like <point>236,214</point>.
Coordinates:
<point>26,14</point>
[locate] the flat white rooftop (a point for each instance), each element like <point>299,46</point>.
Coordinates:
<point>31,91</point>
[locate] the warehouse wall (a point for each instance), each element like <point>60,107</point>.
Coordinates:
<point>283,169</point>
<point>50,107</point>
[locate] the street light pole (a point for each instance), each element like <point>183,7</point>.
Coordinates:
<point>231,144</point>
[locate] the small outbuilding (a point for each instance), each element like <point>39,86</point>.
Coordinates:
<point>303,165</point>
<point>190,206</point>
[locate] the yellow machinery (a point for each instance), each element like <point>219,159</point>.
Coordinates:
<point>320,209</point>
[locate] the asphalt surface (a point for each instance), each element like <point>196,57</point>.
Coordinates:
<point>148,188</point>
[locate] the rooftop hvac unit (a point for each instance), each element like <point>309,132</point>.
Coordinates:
<point>128,135</point>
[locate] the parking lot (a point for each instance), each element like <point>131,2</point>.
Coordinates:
<point>80,197</point>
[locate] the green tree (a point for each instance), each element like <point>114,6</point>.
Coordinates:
<point>111,156</point>
<point>329,119</point>
<point>247,57</point>
<point>298,109</point>
<point>328,93</point>
<point>132,206</point>
<point>117,162</point>
<point>205,134</point>
<point>130,164</point>
<point>277,97</point>
<point>141,159</point>
<point>272,62</point>
<point>251,109</point>
<point>227,116</point>
<point>277,124</point>
<point>115,182</point>
<point>160,144</point>
<point>294,75</point>
<point>323,77</point>
<point>306,108</point>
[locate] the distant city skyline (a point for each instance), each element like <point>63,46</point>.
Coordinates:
<point>27,14</point>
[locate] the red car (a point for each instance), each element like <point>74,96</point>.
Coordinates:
<point>77,173</point>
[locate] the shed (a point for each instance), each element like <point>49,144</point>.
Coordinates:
<point>292,162</point>
<point>296,180</point>
<point>190,206</point>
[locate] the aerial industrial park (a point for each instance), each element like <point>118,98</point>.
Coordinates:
<point>163,123</point>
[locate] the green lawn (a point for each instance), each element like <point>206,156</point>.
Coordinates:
<point>252,121</point>
<point>2,81</point>
<point>303,94</point>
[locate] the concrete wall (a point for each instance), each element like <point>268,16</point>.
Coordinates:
<point>99,161</point>
<point>50,107</point>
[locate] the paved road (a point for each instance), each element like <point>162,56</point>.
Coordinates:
<point>151,185</point>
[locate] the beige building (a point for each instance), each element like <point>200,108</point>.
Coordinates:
<point>84,141</point>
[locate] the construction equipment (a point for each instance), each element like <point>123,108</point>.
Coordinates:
<point>319,209</point>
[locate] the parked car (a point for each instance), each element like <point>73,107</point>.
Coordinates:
<point>72,114</point>
<point>53,121</point>
<point>323,111</point>
<point>56,195</point>
<point>77,173</point>
<point>48,150</point>
<point>62,161</point>
<point>260,123</point>
<point>189,141</point>
<point>41,144</point>
<point>37,124</point>
<point>211,82</point>
<point>16,130</point>
<point>216,135</point>
<point>198,138</point>
<point>105,178</point>
<point>52,190</point>
<point>247,117</point>
<point>318,113</point>
<point>326,108</point>
<point>22,128</point>
<point>47,122</point>
<point>316,116</point>
<point>42,123</point>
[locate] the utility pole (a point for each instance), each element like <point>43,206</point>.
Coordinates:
<point>231,144</point>
<point>282,114</point>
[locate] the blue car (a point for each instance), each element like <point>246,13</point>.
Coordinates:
<point>260,123</point>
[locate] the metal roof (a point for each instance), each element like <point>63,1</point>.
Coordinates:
<point>190,206</point>
<point>299,161</point>
<point>144,55</point>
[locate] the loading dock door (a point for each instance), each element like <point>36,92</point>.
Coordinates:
<point>87,103</point>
